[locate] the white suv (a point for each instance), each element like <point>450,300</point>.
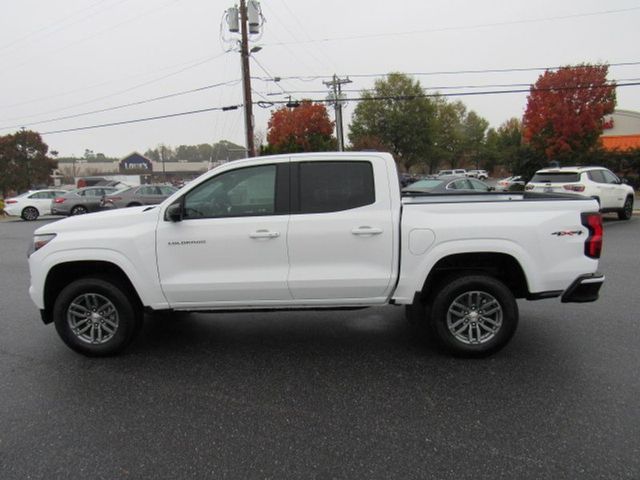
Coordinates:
<point>595,182</point>
<point>451,173</point>
<point>479,174</point>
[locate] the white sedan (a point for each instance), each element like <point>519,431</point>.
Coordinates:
<point>32,204</point>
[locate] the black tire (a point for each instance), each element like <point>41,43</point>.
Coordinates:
<point>626,211</point>
<point>115,307</point>
<point>79,210</point>
<point>29,214</point>
<point>492,331</point>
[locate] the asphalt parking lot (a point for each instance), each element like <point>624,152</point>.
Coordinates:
<point>326,395</point>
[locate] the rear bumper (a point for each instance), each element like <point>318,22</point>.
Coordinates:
<point>585,288</point>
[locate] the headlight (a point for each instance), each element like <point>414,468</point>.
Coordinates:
<point>40,241</point>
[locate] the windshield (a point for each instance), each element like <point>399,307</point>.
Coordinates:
<point>555,177</point>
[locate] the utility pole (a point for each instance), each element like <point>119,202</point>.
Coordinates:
<point>246,80</point>
<point>247,20</point>
<point>336,96</point>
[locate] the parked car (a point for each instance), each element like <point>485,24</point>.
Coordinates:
<point>447,185</point>
<point>32,204</point>
<point>479,174</point>
<point>80,201</point>
<point>316,230</point>
<point>511,183</point>
<point>449,173</point>
<point>137,196</point>
<point>612,194</point>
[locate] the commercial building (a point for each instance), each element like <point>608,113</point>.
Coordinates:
<point>621,130</point>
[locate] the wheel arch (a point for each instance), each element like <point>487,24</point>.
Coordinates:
<point>501,266</point>
<point>64,273</point>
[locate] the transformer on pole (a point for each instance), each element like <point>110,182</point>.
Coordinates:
<point>247,20</point>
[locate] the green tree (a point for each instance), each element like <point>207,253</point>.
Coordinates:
<point>24,161</point>
<point>398,115</point>
<point>448,134</point>
<point>474,129</point>
<point>502,146</point>
<point>459,135</point>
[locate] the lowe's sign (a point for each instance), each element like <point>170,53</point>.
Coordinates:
<point>135,162</point>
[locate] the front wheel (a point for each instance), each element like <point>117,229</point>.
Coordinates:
<point>474,315</point>
<point>94,316</point>
<point>626,211</point>
<point>29,214</point>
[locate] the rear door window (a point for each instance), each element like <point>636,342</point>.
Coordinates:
<point>335,186</point>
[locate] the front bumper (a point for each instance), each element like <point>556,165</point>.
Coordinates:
<point>584,289</point>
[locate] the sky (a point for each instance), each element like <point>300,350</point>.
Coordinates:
<point>107,61</point>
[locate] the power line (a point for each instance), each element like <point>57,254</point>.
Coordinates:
<point>268,101</point>
<point>126,90</point>
<point>324,100</point>
<point>271,77</point>
<point>190,64</point>
<point>462,27</point>
<point>440,87</point>
<point>308,78</point>
<point>131,104</point>
<point>145,14</point>
<point>145,119</point>
<point>49,26</point>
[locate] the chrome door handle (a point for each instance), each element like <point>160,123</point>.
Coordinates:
<point>264,234</point>
<point>366,230</point>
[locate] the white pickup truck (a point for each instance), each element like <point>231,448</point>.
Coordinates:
<point>316,231</point>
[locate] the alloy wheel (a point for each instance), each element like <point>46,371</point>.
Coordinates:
<point>93,318</point>
<point>474,317</point>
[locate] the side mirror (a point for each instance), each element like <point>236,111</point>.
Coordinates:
<point>174,212</point>
<point>625,181</point>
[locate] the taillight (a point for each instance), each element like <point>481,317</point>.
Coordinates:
<point>59,200</point>
<point>11,201</point>
<point>593,243</point>
<point>574,188</point>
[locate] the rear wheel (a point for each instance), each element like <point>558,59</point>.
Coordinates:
<point>474,315</point>
<point>626,211</point>
<point>94,316</point>
<point>30,214</point>
<point>79,210</point>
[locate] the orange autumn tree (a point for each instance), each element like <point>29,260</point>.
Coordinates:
<point>565,110</point>
<point>305,128</point>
